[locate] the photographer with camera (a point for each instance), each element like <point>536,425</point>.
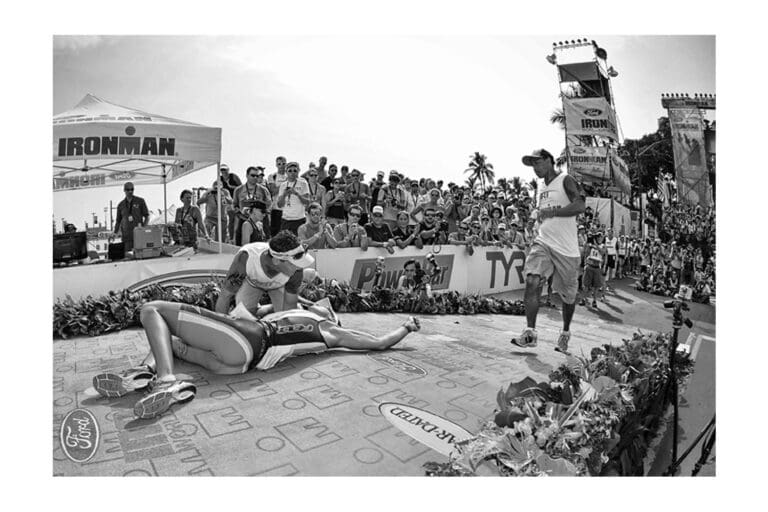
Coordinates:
<point>415,281</point>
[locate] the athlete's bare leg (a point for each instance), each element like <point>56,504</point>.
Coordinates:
<point>340,337</point>
<point>159,336</point>
<point>533,286</point>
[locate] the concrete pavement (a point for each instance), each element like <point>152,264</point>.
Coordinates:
<point>318,414</point>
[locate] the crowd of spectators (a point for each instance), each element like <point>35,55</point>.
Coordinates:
<point>330,206</point>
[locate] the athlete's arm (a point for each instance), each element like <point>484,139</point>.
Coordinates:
<point>291,294</point>
<point>575,194</point>
<point>232,282</point>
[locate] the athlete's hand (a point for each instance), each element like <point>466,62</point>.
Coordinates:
<point>273,356</point>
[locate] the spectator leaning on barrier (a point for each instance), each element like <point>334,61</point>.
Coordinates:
<point>189,220</point>
<point>132,212</point>
<point>428,228</point>
<point>379,233</point>
<point>412,199</point>
<point>293,198</point>
<point>462,236</point>
<point>210,200</point>
<point>254,228</point>
<point>351,233</point>
<point>316,233</point>
<point>405,234</point>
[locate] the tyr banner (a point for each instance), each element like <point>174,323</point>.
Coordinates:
<point>590,116</point>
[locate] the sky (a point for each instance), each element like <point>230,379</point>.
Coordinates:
<point>422,105</point>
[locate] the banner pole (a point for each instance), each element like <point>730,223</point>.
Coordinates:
<point>165,197</point>
<point>219,192</point>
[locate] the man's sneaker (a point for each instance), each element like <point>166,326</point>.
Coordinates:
<point>527,339</point>
<point>113,385</point>
<point>603,299</point>
<point>163,396</point>
<point>562,342</point>
<point>582,302</point>
<point>594,303</point>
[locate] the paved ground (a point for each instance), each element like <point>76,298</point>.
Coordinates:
<point>318,414</point>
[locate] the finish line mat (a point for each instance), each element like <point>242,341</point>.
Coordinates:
<point>311,415</point>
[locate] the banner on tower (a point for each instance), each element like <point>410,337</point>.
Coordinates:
<point>590,116</point>
<point>588,161</point>
<point>689,152</point>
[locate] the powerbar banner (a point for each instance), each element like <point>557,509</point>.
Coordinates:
<point>690,158</point>
<point>590,116</point>
<point>364,271</point>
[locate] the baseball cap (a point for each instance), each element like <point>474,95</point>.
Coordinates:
<point>502,225</point>
<point>377,210</point>
<point>380,173</point>
<point>536,155</point>
<point>223,167</point>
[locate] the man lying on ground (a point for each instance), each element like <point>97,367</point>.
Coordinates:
<point>229,345</point>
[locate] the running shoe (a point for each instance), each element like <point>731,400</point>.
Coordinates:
<point>594,303</point>
<point>163,396</point>
<point>527,339</point>
<point>582,302</point>
<point>113,385</point>
<point>562,342</point>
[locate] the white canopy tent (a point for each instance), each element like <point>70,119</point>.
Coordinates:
<point>100,144</point>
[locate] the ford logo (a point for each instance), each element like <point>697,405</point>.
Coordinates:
<point>398,364</point>
<point>579,151</point>
<point>593,112</point>
<point>79,435</point>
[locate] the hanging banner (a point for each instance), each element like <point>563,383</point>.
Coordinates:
<point>690,159</point>
<point>589,116</point>
<point>619,173</point>
<point>587,161</point>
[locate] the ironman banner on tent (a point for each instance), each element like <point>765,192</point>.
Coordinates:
<point>590,116</point>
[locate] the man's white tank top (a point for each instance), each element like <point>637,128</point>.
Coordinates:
<point>255,273</point>
<point>557,233</point>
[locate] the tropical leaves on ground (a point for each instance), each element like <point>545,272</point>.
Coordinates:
<point>541,429</point>
<point>120,310</point>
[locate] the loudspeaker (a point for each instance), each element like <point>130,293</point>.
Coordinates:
<point>116,251</point>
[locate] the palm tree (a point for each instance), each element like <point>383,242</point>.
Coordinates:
<point>517,184</point>
<point>534,186</point>
<point>471,181</point>
<point>503,184</point>
<point>481,169</point>
<point>558,117</point>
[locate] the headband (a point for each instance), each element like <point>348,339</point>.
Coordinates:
<point>287,255</point>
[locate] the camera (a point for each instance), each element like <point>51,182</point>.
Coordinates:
<point>685,292</point>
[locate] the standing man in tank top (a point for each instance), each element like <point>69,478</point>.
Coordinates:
<point>555,251</point>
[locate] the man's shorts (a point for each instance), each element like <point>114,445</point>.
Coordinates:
<point>611,261</point>
<point>593,277</point>
<point>545,262</point>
